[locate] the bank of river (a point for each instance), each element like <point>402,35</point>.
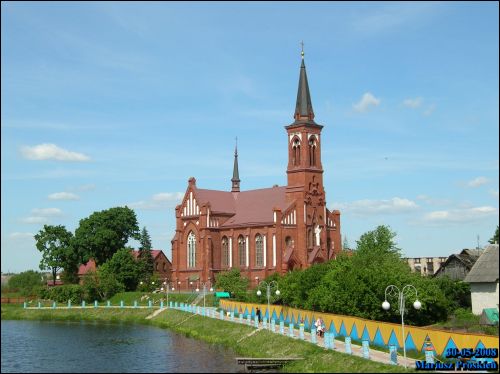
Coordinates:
<point>235,336</point>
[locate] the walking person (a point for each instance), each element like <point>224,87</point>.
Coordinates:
<point>258,314</point>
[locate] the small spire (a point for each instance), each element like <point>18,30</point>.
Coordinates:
<point>236,175</point>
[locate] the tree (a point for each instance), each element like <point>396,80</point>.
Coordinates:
<point>103,233</point>
<point>55,244</point>
<point>494,239</point>
<point>145,253</point>
<point>125,268</point>
<point>101,285</point>
<point>232,282</point>
<point>26,282</point>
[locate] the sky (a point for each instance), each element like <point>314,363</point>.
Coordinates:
<point>120,103</point>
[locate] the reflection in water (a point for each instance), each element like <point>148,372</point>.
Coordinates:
<point>29,346</point>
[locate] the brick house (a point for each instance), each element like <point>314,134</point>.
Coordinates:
<point>260,231</point>
<point>162,265</point>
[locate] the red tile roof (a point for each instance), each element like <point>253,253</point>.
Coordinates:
<point>248,207</point>
<point>89,266</point>
<point>154,253</point>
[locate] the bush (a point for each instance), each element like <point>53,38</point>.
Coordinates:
<point>27,282</point>
<point>62,294</point>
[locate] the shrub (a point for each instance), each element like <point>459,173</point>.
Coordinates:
<point>26,282</point>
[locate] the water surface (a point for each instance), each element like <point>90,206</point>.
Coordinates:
<point>40,346</point>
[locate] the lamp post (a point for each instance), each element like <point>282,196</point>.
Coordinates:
<point>204,285</point>
<point>167,286</point>
<point>407,290</point>
<point>268,293</point>
<point>178,286</point>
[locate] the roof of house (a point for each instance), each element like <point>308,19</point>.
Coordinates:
<point>247,207</point>
<point>50,282</point>
<point>89,266</point>
<point>485,270</point>
<point>154,252</point>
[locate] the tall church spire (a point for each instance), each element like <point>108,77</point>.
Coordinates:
<point>236,175</point>
<point>303,107</point>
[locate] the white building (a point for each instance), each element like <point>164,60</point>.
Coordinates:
<point>483,279</point>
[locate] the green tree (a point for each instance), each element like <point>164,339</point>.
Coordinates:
<point>145,254</point>
<point>26,282</point>
<point>231,281</point>
<point>125,268</point>
<point>103,233</point>
<point>55,244</point>
<point>101,285</point>
<point>494,239</point>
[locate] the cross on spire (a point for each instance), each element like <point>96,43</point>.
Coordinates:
<point>302,53</point>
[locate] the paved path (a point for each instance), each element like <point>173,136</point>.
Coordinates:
<point>375,355</point>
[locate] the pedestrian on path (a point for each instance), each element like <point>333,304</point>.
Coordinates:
<point>258,314</point>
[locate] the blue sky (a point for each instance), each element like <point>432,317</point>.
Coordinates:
<point>107,104</point>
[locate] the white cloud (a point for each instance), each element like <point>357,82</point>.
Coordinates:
<point>36,220</point>
<point>47,212</point>
<point>51,152</point>
<point>460,215</point>
<point>162,200</point>
<point>21,235</point>
<point>63,196</point>
<point>86,187</point>
<point>494,193</point>
<point>168,196</point>
<point>367,207</point>
<point>366,101</point>
<point>430,109</point>
<point>413,103</point>
<point>476,182</point>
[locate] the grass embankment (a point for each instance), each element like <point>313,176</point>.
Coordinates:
<point>228,334</point>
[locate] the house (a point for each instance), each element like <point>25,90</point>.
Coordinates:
<point>85,268</point>
<point>425,265</point>
<point>262,231</point>
<point>483,279</point>
<point>162,265</point>
<point>457,266</point>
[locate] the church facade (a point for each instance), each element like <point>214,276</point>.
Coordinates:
<point>260,231</point>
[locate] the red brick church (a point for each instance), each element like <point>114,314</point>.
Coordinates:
<point>260,231</point>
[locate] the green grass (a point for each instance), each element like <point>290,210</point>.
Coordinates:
<point>261,344</point>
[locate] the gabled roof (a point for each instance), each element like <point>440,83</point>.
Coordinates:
<point>485,270</point>
<point>154,252</point>
<point>85,268</point>
<point>251,207</point>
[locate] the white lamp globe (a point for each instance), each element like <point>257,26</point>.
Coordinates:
<point>211,289</point>
<point>417,305</point>
<point>161,289</point>
<point>386,305</point>
<point>259,293</point>
<point>173,289</point>
<point>197,289</point>
<point>278,292</point>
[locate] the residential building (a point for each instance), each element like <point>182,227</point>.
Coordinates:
<point>483,279</point>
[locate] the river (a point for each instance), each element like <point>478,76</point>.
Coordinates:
<point>33,346</point>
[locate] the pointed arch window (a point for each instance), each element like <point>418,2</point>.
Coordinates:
<point>259,250</point>
<point>296,152</point>
<point>225,252</point>
<point>289,242</point>
<point>191,246</point>
<point>312,151</point>
<point>310,242</point>
<point>242,251</point>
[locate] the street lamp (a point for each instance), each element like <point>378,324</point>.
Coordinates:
<point>393,291</point>
<point>167,286</point>
<point>204,285</point>
<point>268,293</point>
<point>178,286</point>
